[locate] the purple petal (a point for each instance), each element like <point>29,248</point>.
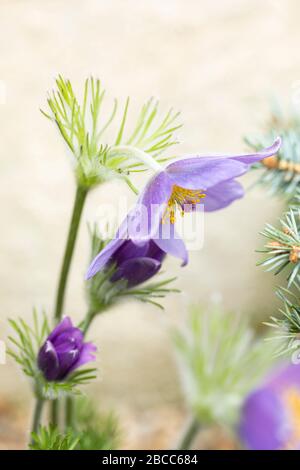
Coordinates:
<point>205,172</point>
<point>285,377</point>
<point>263,421</point>
<point>103,257</point>
<point>48,361</point>
<point>130,249</point>
<point>110,249</point>
<point>153,201</point>
<point>65,324</point>
<point>136,271</point>
<point>72,336</point>
<point>140,222</point>
<point>87,354</point>
<point>175,248</point>
<point>68,345</point>
<point>264,153</point>
<point>169,241</point>
<point>67,357</point>
<point>222,195</point>
<point>155,252</point>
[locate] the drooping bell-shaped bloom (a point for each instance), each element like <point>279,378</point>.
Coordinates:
<point>64,351</point>
<point>136,263</point>
<point>183,185</point>
<point>270,417</point>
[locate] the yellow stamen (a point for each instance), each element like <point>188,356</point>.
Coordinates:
<point>291,399</point>
<point>179,197</point>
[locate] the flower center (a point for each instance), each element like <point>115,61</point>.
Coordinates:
<point>178,199</point>
<point>292,401</point>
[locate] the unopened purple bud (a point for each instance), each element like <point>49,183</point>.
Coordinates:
<point>64,351</point>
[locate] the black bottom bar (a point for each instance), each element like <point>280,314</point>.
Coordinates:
<point>135,458</point>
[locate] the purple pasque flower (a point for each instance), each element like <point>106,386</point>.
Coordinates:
<point>136,263</point>
<point>270,417</point>
<point>64,351</point>
<point>185,185</point>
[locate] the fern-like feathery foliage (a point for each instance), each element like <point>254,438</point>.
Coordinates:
<point>281,173</point>
<point>220,362</point>
<point>287,327</point>
<point>98,430</point>
<point>84,129</point>
<point>50,438</point>
<point>94,431</point>
<point>283,246</point>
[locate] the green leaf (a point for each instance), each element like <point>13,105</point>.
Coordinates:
<point>102,293</point>
<point>50,438</point>
<point>83,128</point>
<point>220,361</point>
<point>282,178</point>
<point>98,430</point>
<point>283,247</point>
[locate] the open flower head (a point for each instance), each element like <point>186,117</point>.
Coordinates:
<point>182,185</point>
<point>270,418</point>
<point>64,351</point>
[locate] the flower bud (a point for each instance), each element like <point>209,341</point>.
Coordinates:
<point>64,351</point>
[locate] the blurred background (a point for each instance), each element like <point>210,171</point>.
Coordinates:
<point>217,62</point>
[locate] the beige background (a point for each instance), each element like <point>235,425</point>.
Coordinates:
<point>217,62</point>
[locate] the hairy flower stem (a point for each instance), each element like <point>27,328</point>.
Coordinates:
<point>88,320</point>
<point>189,433</point>
<point>37,414</point>
<point>69,417</point>
<point>54,412</point>
<point>70,408</point>
<point>80,197</point>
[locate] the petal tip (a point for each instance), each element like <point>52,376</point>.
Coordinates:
<point>92,271</point>
<point>277,143</point>
<point>88,275</point>
<point>185,260</point>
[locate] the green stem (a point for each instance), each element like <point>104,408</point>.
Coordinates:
<point>188,436</point>
<point>70,411</point>
<point>80,197</point>
<point>88,320</point>
<point>79,201</point>
<point>54,412</point>
<point>37,414</point>
<point>69,418</point>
